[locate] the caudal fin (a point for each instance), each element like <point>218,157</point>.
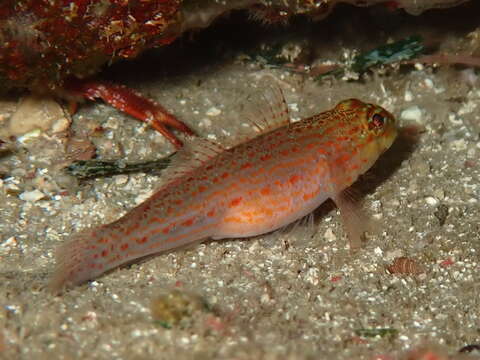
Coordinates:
<point>75,262</point>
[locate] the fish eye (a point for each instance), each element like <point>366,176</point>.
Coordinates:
<point>376,122</point>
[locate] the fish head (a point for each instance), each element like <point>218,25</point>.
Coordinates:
<point>377,128</point>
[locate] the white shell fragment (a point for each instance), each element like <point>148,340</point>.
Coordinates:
<point>37,113</point>
<point>412,113</point>
<point>32,196</point>
<point>214,111</point>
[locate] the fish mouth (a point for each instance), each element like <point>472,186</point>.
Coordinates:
<point>388,138</point>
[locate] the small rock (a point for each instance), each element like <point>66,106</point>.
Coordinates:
<point>431,201</point>
<point>29,136</point>
<point>121,179</point>
<point>213,111</point>
<point>428,83</point>
<point>37,113</point>
<point>459,145</point>
<point>441,214</point>
<point>408,95</point>
<point>11,242</point>
<point>32,196</point>
<point>329,235</point>
<point>413,113</point>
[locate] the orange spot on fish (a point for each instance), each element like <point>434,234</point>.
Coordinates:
<point>103,241</point>
<point>344,158</point>
<point>104,253</point>
<point>265,157</point>
<point>178,202</point>
<point>211,213</point>
<point>124,246</point>
<point>155,220</point>
<point>188,222</point>
<point>267,211</point>
<point>329,130</point>
<point>236,201</point>
<point>225,175</point>
<point>265,191</point>
<point>143,240</point>
<point>284,152</point>
<point>202,188</point>
<point>307,197</point>
<point>166,230</point>
<point>293,179</point>
<point>246,166</point>
<point>353,130</point>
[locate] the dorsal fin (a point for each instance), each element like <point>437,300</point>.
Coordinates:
<point>268,110</point>
<point>192,155</point>
<point>264,112</point>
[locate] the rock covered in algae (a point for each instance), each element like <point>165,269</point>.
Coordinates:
<point>46,41</point>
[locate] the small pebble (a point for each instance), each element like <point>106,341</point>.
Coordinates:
<point>24,139</point>
<point>207,122</point>
<point>293,107</point>
<point>11,242</point>
<point>413,113</point>
<point>459,145</point>
<point>121,179</point>
<point>428,83</point>
<point>329,235</point>
<point>213,111</point>
<point>170,308</point>
<point>37,113</point>
<point>408,95</point>
<point>32,196</point>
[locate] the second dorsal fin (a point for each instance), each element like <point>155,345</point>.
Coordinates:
<point>268,110</point>
<point>264,112</point>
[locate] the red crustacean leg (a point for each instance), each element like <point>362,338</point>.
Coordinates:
<point>126,100</point>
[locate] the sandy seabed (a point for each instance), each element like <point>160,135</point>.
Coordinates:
<point>293,294</point>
